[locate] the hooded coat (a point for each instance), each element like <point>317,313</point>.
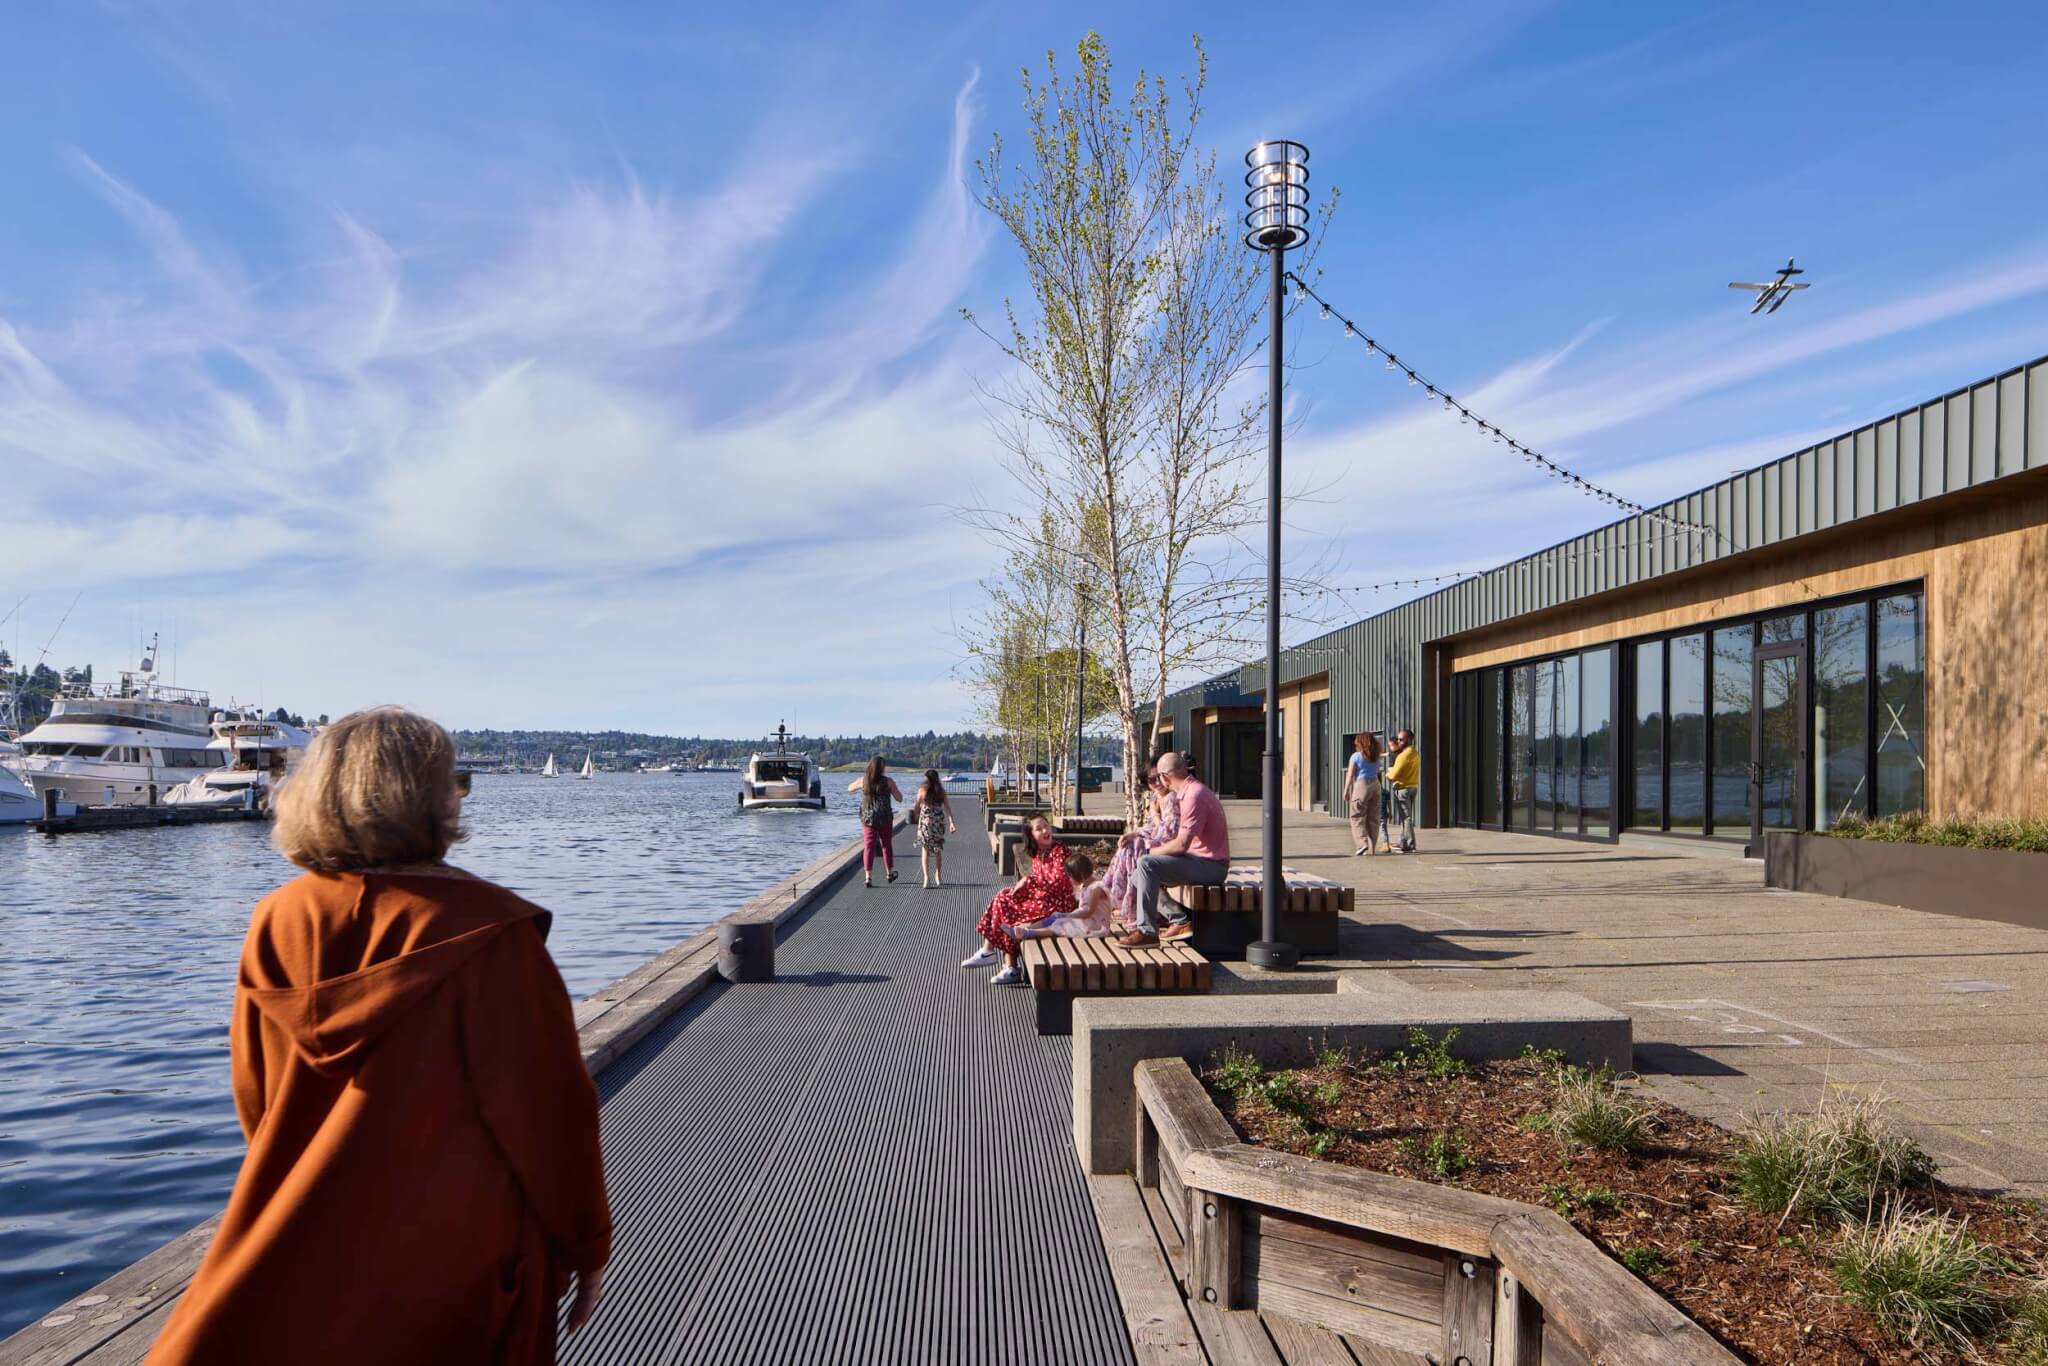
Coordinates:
<point>423,1171</point>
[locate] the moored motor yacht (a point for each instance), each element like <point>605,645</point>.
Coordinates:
<point>254,754</point>
<point>781,778</point>
<point>121,744</point>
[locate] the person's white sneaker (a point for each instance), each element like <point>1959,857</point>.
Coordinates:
<point>1009,976</point>
<point>980,958</point>
<point>1361,852</point>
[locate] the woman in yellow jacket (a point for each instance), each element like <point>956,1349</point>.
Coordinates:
<point>1404,776</point>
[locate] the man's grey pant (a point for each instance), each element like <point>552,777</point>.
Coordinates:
<point>1404,818</point>
<point>1172,870</point>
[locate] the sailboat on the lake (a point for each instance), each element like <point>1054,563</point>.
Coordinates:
<point>588,767</point>
<point>548,769</point>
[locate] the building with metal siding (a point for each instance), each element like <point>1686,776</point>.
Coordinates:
<point>1948,499</point>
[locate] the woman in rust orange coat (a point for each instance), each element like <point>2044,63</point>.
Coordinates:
<point>424,1177</point>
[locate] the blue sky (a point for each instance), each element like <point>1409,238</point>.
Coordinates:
<point>601,365</point>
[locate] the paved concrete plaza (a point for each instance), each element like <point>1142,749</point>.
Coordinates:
<point>1743,996</point>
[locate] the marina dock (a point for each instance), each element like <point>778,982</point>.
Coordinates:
<point>866,1160</point>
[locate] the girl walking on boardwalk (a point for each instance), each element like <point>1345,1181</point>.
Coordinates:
<point>423,1176</point>
<point>1362,792</point>
<point>1043,890</point>
<point>877,818</point>
<point>933,816</point>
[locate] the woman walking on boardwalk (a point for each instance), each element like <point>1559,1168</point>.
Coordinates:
<point>1043,890</point>
<point>877,818</point>
<point>1362,792</point>
<point>1165,824</point>
<point>933,816</point>
<point>423,1176</point>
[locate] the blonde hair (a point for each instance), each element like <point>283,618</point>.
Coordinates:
<point>375,790</point>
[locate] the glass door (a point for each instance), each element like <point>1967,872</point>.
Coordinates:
<point>1778,767</point>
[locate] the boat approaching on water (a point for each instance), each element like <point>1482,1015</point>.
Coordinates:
<point>781,778</point>
<point>588,767</point>
<point>549,769</point>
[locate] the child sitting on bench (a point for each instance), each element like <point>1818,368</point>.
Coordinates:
<point>1090,915</point>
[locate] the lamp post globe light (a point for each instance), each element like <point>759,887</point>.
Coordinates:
<point>1275,222</point>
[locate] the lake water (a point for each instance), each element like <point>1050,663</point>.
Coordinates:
<point>117,973</point>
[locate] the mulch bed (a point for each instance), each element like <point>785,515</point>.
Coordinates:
<point>1766,1289</point>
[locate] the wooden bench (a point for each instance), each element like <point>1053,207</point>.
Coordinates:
<point>1101,827</point>
<point>1059,969</point>
<point>1227,918</point>
<point>993,811</point>
<point>1007,838</point>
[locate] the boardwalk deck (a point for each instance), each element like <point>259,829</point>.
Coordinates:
<point>866,1160</point>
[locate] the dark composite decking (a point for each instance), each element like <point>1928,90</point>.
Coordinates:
<point>867,1160</point>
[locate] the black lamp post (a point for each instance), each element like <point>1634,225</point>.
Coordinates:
<point>1080,681</point>
<point>1276,222</point>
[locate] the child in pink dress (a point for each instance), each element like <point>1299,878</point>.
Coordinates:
<point>1091,912</point>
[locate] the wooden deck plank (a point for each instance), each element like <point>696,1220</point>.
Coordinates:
<point>1162,1333</point>
<point>1307,1344</point>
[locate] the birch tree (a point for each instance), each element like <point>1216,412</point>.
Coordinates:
<point>1132,433</point>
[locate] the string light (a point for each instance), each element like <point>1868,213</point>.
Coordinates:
<point>1550,467</point>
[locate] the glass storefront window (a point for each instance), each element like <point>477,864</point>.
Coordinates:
<point>1596,725</point>
<point>1520,744</point>
<point>1733,704</point>
<point>1543,728</point>
<point>1901,704</point>
<point>1468,748</point>
<point>1783,630</point>
<point>1841,703</point>
<point>1569,760</point>
<point>1489,747</point>
<point>1688,732</point>
<point>1648,736</point>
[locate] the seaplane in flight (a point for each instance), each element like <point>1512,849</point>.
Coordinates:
<point>1776,292</point>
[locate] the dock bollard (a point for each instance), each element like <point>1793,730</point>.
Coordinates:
<point>746,951</point>
<point>49,803</point>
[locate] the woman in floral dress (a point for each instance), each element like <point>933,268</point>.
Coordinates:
<point>1123,893</point>
<point>1042,891</point>
<point>934,817</point>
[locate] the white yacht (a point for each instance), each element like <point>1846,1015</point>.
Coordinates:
<point>781,777</point>
<point>252,753</point>
<point>120,744</point>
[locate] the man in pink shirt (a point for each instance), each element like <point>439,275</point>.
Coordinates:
<point>1198,856</point>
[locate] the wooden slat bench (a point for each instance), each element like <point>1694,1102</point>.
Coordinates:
<point>1104,827</point>
<point>1226,918</point>
<point>1008,837</point>
<point>991,812</point>
<point>1059,969</point>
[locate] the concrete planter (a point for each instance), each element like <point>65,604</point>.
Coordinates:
<point>1977,884</point>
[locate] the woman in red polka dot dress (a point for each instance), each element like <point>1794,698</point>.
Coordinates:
<point>1044,890</point>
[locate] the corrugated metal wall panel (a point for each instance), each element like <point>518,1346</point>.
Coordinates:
<point>1887,488</point>
<point>1983,449</point>
<point>2037,415</point>
<point>1956,444</point>
<point>2012,422</point>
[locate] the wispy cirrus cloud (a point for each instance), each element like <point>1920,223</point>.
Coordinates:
<point>576,406</point>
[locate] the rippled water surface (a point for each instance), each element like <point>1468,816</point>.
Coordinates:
<point>117,970</point>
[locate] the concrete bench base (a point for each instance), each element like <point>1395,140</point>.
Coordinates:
<point>1113,1034</point>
